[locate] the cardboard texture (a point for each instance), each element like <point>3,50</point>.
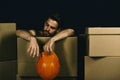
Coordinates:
<point>66,50</point>
<point>8,49</point>
<point>102,68</point>
<point>103,42</point>
<point>103,30</point>
<point>8,41</point>
<point>8,70</point>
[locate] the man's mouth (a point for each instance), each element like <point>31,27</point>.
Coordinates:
<point>46,33</point>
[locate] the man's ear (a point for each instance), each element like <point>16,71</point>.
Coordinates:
<point>58,30</point>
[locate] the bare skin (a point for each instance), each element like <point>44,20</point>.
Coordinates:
<point>50,27</point>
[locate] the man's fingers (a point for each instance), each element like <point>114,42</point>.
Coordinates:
<point>31,51</point>
<point>46,48</point>
<point>37,51</point>
<point>28,49</point>
<point>34,52</point>
<point>51,50</point>
<point>33,48</point>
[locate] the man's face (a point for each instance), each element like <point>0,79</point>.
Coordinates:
<point>50,27</point>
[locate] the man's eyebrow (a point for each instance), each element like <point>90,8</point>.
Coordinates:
<point>53,27</point>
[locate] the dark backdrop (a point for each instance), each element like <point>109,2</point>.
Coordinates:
<point>76,13</point>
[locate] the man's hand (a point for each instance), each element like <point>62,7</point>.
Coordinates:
<point>33,47</point>
<point>48,47</point>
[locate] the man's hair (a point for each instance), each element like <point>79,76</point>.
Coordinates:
<point>57,18</point>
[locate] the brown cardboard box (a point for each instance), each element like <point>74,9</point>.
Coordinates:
<point>102,68</point>
<point>8,49</point>
<point>8,70</point>
<point>66,50</point>
<point>8,41</point>
<point>103,41</point>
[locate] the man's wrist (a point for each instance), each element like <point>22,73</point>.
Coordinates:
<point>53,39</point>
<point>32,38</point>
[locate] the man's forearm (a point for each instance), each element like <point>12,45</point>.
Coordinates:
<point>63,34</point>
<point>24,34</point>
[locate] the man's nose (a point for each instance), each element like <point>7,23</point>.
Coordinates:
<point>48,28</point>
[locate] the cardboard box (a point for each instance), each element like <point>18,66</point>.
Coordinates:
<point>103,41</point>
<point>102,68</point>
<point>8,41</point>
<point>8,70</point>
<point>65,49</point>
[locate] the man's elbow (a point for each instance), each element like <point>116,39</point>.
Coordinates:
<point>71,31</point>
<point>18,32</point>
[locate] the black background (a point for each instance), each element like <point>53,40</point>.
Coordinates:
<point>78,14</point>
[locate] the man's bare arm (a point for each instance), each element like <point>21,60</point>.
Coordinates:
<point>48,47</point>
<point>63,34</point>
<point>27,35</point>
<point>33,48</point>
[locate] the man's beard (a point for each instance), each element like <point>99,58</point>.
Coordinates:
<point>47,34</point>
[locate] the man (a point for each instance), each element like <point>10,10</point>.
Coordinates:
<point>51,29</point>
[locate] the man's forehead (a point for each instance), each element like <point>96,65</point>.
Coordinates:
<point>52,22</point>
